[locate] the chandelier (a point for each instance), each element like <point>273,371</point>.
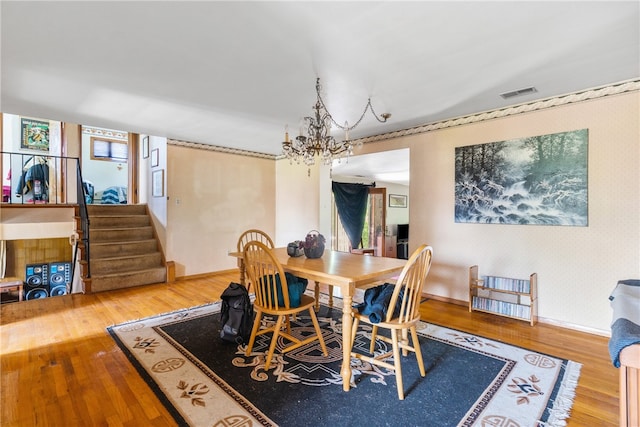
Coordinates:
<point>318,141</point>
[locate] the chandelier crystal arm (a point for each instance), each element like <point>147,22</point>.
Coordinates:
<point>319,141</point>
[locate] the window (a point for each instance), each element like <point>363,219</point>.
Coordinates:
<point>109,149</point>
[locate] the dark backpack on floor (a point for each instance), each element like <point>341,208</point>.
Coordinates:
<point>236,315</point>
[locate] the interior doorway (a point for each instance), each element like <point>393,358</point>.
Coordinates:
<point>388,170</point>
<point>109,165</point>
<point>373,232</point>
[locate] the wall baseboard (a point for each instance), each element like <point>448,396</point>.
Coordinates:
<point>454,301</point>
<point>573,326</point>
<point>445,299</point>
<point>210,274</point>
<point>544,320</point>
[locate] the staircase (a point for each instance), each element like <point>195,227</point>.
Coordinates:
<point>124,249</point>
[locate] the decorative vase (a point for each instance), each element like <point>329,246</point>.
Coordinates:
<point>315,252</point>
<point>314,244</point>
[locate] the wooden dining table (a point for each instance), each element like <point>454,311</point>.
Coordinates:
<point>345,270</point>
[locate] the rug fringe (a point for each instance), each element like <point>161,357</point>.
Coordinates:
<point>559,413</point>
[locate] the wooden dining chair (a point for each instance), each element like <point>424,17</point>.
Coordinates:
<point>254,234</point>
<point>406,297</point>
<point>248,236</point>
<point>265,271</point>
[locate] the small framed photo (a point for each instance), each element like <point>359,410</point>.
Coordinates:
<point>397,201</point>
<point>155,160</point>
<point>157,183</point>
<point>145,147</point>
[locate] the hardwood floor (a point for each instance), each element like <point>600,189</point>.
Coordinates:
<point>60,367</point>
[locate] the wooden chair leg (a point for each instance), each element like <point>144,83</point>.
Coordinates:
<point>274,339</point>
<point>254,331</point>
<point>288,322</point>
<point>396,363</point>
<point>374,334</point>
<point>354,331</point>
<point>417,350</point>
<point>316,325</point>
<point>405,341</point>
<point>330,295</point>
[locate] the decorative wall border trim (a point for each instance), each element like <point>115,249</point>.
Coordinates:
<point>594,93</point>
<point>623,87</point>
<point>88,130</point>
<point>220,149</point>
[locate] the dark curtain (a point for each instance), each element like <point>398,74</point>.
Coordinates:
<point>351,202</point>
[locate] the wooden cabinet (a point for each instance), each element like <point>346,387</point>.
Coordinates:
<point>504,296</point>
<point>389,248</point>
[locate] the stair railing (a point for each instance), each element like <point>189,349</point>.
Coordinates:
<point>46,180</point>
<point>84,220</point>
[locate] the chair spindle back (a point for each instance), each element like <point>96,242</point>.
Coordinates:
<point>254,235</point>
<point>262,267</point>
<point>408,289</point>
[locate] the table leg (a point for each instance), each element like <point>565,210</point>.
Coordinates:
<point>346,342</point>
<point>317,294</point>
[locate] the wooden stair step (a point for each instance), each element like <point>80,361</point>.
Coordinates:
<point>123,248</point>
<point>118,221</point>
<point>102,235</point>
<point>124,264</point>
<point>107,282</point>
<point>116,210</point>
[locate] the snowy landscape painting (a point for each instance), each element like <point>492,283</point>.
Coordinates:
<point>534,180</point>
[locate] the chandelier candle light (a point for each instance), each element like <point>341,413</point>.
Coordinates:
<point>319,141</point>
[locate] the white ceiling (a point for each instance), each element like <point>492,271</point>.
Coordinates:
<point>234,73</point>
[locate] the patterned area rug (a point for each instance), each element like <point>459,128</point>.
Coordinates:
<point>470,381</point>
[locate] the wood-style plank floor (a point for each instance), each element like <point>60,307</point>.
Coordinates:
<point>60,367</point>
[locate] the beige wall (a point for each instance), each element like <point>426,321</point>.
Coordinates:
<point>212,198</point>
<point>577,266</point>
<point>223,194</point>
<point>157,204</point>
<point>297,202</point>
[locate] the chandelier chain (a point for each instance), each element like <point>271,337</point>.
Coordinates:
<point>318,141</point>
<point>349,128</point>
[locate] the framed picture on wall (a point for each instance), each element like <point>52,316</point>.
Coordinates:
<point>35,134</point>
<point>145,147</point>
<point>397,201</point>
<point>155,160</point>
<point>157,183</point>
<point>537,180</point>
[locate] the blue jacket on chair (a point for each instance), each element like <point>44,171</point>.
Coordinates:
<point>376,302</point>
<point>296,287</point>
